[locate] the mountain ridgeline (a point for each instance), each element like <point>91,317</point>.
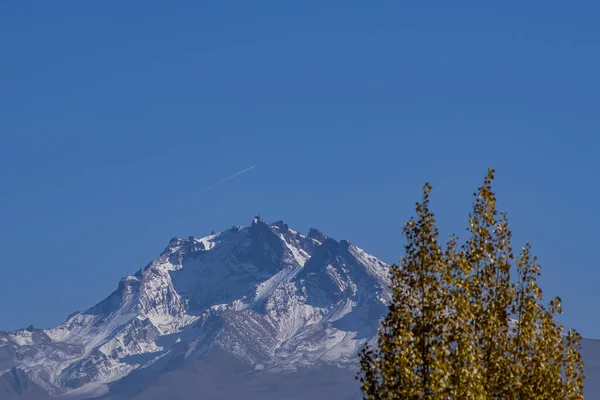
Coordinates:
<point>231,314</point>
<point>257,312</point>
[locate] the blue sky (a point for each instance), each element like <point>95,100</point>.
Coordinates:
<point>115,117</point>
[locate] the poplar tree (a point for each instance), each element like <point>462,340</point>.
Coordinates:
<point>460,327</point>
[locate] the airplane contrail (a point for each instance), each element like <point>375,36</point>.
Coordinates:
<point>222,181</point>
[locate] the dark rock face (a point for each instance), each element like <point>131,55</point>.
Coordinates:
<point>317,235</point>
<point>15,384</point>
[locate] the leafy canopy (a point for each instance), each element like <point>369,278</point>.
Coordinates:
<point>468,321</point>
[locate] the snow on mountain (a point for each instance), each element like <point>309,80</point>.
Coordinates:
<point>267,295</point>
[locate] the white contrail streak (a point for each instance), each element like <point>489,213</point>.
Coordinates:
<point>222,181</point>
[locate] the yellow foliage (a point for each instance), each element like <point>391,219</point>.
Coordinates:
<point>459,327</point>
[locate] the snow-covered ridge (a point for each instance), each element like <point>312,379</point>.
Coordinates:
<point>267,294</point>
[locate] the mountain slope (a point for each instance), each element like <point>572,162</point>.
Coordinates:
<point>15,384</point>
<point>258,312</point>
<point>270,297</point>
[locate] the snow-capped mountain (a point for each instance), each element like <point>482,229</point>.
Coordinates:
<point>265,296</point>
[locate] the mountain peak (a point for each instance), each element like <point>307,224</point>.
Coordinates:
<point>175,242</point>
<point>282,226</point>
<point>262,294</point>
<point>317,235</point>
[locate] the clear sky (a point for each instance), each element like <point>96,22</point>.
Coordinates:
<point>116,116</point>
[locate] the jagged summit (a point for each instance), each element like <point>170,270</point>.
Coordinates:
<point>316,234</point>
<point>261,299</point>
<point>271,297</point>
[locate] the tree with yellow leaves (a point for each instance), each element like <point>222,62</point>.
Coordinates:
<point>459,327</point>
